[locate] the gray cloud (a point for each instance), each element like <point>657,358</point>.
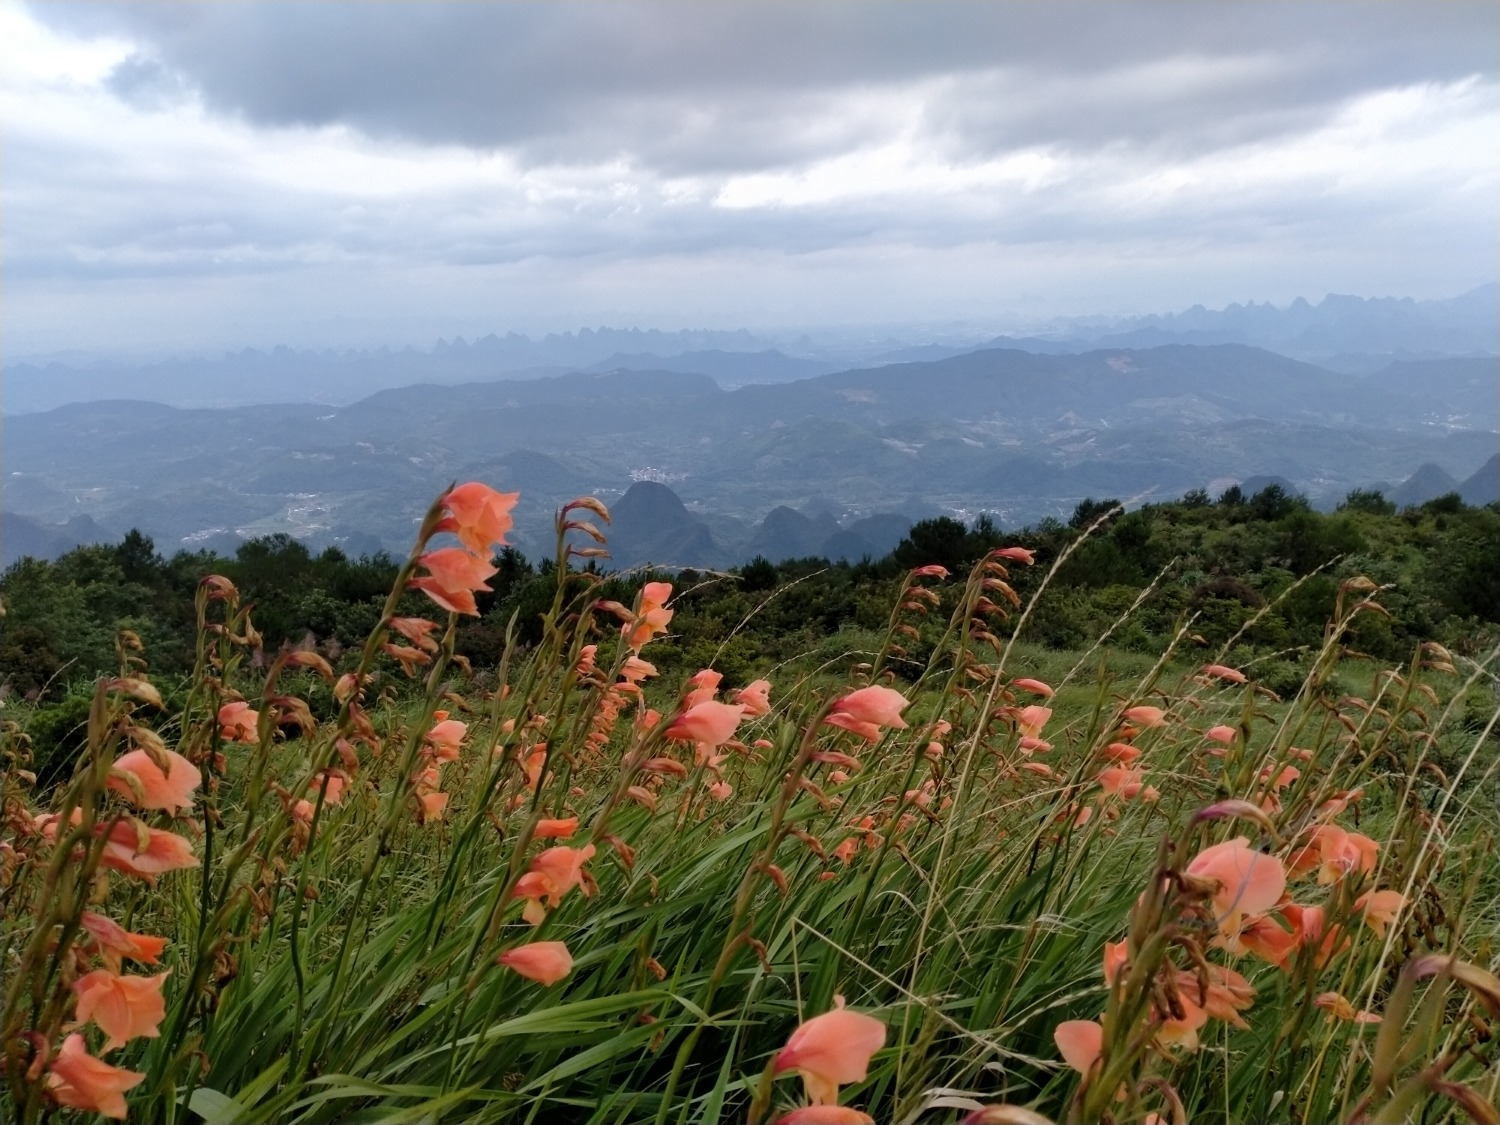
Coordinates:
<point>693,88</point>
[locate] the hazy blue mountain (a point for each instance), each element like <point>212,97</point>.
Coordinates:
<point>731,368</point>
<point>1016,434</point>
<point>21,536</point>
<point>1427,483</point>
<point>1484,486</point>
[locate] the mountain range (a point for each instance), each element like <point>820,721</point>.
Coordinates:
<point>834,464</point>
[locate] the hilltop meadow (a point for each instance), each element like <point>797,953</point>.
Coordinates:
<point>1186,813</point>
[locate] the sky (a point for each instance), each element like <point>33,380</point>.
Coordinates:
<point>199,176</point>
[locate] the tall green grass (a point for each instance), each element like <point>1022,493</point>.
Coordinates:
<point>336,962</point>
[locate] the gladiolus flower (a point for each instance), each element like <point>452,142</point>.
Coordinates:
<point>755,698</point>
<point>302,811</point>
<point>433,804</point>
<point>1120,781</point>
<point>708,722</point>
<point>634,670</point>
<point>1268,941</point>
<point>825,1115</point>
<point>586,664</point>
<point>1015,554</point>
<point>1035,745</point>
<point>555,829</point>
<point>478,515</point>
<point>170,791</point>
<point>1221,734</point>
<point>554,872</point>
<point>446,736</point>
<point>1036,687</point>
<point>652,617</point>
<point>831,1050</point>
<point>1080,1042</point>
<point>868,731</point>
<point>545,962</point>
<point>1121,752</point>
<point>332,787</point>
<point>1340,1009</point>
<point>160,851</point>
<point>1248,882</point>
<point>453,577</point>
<point>876,705</point>
<point>1146,716</point>
<point>125,1008</point>
<point>1031,720</point>
<point>1335,853</point>
<point>115,942</point>
<point>931,570</point>
<point>721,790</point>
<point>237,722</point>
<point>1223,672</point>
<point>1379,909</point>
<point>78,1080</point>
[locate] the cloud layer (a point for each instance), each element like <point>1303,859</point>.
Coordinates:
<point>311,170</point>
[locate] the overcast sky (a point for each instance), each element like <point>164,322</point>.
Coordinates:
<point>184,176</point>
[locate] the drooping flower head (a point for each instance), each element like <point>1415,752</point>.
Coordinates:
<point>78,1080</point>
<point>170,791</point>
<point>146,852</point>
<point>1248,881</point>
<point>831,1050</point>
<point>755,698</point>
<point>867,710</point>
<point>545,962</point>
<point>125,1008</point>
<point>237,722</point>
<point>453,577</point>
<point>709,722</point>
<point>651,617</point>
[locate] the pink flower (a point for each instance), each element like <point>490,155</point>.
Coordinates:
<point>78,1080</point>
<point>880,706</point>
<point>115,942</point>
<point>1036,687</point>
<point>831,1050</point>
<point>1379,908</point>
<point>1146,716</point>
<point>1220,734</point>
<point>170,791</point>
<point>721,790</point>
<point>1248,882</point>
<point>555,829</point>
<point>652,616</point>
<point>478,515</point>
<point>1080,1043</point>
<point>237,722</point>
<point>125,1008</point>
<point>931,570</point>
<point>825,1115</point>
<point>446,736</point>
<point>709,722</point>
<point>1223,672</point>
<point>1015,554</point>
<point>554,872</point>
<point>1030,720</point>
<point>1340,1009</point>
<point>755,698</point>
<point>453,577</point>
<point>147,853</point>
<point>545,962</point>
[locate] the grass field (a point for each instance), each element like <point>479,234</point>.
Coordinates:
<point>1022,863</point>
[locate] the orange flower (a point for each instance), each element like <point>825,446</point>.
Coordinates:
<point>1146,716</point>
<point>755,698</point>
<point>1223,672</point>
<point>556,829</point>
<point>1340,1009</point>
<point>1248,882</point>
<point>478,515</point>
<point>825,1115</point>
<point>1268,941</point>
<point>1036,687</point>
<point>1030,720</point>
<point>1335,853</point>
<point>554,872</point>
<point>875,705</point>
<point>125,1008</point>
<point>1015,554</point>
<point>78,1080</point>
<point>146,854</point>
<point>170,791</point>
<point>115,942</point>
<point>1080,1043</point>
<point>1379,908</point>
<point>237,722</point>
<point>446,736</point>
<point>831,1050</point>
<point>1221,733</point>
<point>1120,781</point>
<point>545,962</point>
<point>651,616</point>
<point>721,790</point>
<point>709,722</point>
<point>453,577</point>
